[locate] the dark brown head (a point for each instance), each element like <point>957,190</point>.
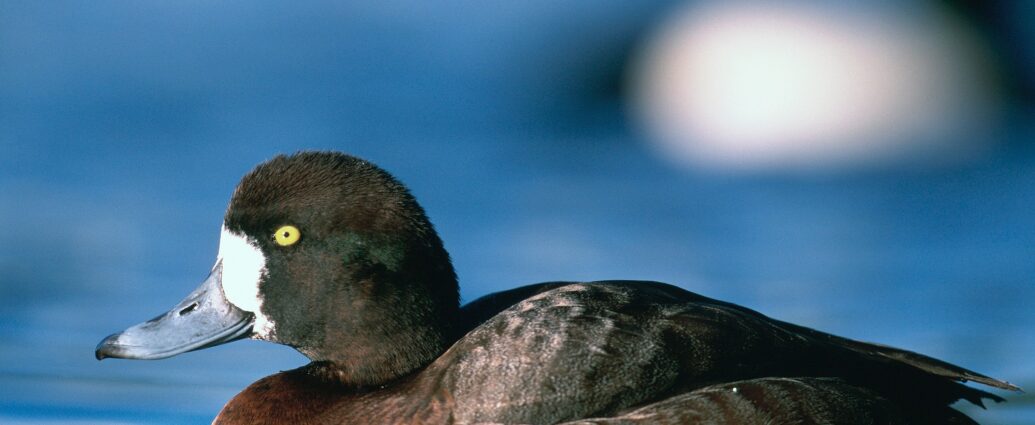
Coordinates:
<point>331,255</point>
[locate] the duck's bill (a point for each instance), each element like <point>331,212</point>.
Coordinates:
<point>204,319</point>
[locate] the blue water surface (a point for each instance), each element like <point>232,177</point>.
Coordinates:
<point>124,127</point>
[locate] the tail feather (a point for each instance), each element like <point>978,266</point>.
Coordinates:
<point>952,375</point>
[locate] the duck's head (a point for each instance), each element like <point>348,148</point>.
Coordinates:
<point>323,252</point>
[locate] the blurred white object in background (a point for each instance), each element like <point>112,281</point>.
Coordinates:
<point>762,85</point>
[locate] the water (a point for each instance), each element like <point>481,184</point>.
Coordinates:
<point>124,130</point>
<point>935,262</point>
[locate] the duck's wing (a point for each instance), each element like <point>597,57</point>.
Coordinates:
<point>777,348</point>
<point>560,351</point>
<point>884,363</point>
<point>476,312</point>
<point>828,401</point>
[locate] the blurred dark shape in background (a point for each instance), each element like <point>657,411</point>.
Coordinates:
<point>547,140</point>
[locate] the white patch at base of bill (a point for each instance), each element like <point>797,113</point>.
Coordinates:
<point>243,267</point>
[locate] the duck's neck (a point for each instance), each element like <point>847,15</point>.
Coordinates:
<point>368,365</point>
<point>398,322</point>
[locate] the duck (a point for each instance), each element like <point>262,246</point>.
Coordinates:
<point>333,256</point>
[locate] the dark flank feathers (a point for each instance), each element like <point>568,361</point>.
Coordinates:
<point>643,352</point>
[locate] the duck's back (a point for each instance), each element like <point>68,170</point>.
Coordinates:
<point>635,352</point>
<point>565,351</point>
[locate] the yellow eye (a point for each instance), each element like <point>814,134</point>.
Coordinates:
<point>287,235</point>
